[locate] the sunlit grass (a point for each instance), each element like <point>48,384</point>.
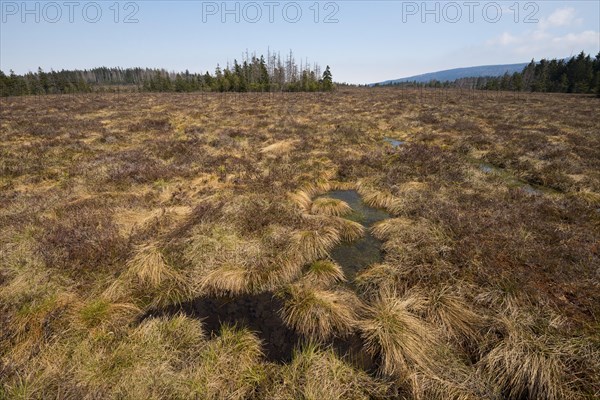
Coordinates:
<point>317,313</point>
<point>120,217</point>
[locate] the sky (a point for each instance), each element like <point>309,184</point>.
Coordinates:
<point>362,41</point>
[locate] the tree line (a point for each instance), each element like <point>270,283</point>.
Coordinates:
<point>579,74</point>
<point>252,74</point>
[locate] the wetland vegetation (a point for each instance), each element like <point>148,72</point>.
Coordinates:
<point>362,244</point>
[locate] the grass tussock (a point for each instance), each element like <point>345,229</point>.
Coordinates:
<point>324,273</point>
<point>317,313</point>
<point>397,336</point>
<point>312,245</point>
<point>35,324</point>
<point>111,216</point>
<point>279,148</point>
<point>302,199</point>
<point>226,280</point>
<point>349,230</point>
<point>228,367</point>
<point>226,263</point>
<point>380,278</point>
<point>448,310</point>
<point>317,373</point>
<point>102,314</point>
<point>454,382</point>
<point>415,243</point>
<point>390,227</point>
<point>330,207</point>
<point>526,364</point>
<point>151,280</point>
<point>378,198</point>
<point>149,267</point>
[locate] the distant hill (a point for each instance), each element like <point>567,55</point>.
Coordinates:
<point>457,73</point>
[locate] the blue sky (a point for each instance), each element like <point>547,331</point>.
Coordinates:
<point>362,41</point>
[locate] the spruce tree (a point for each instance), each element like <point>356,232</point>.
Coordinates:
<point>327,82</point>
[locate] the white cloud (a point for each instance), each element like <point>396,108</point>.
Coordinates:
<point>506,39</point>
<point>585,38</point>
<point>560,17</point>
<point>568,44</point>
<point>544,40</point>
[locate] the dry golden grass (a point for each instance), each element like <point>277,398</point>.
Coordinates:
<point>414,244</point>
<point>349,230</point>
<point>316,373</point>
<point>102,314</point>
<point>36,324</point>
<point>116,209</point>
<point>448,310</point>
<point>396,335</point>
<point>311,245</point>
<point>377,198</point>
<point>148,266</point>
<point>149,278</point>
<point>534,365</point>
<point>390,227</point>
<point>226,263</point>
<point>324,273</point>
<point>225,279</point>
<point>527,368</point>
<point>319,314</point>
<point>228,367</point>
<point>330,207</point>
<point>454,382</point>
<point>279,148</point>
<point>379,278</point>
<point>302,199</point>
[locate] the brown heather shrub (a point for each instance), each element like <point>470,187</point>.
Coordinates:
<point>421,162</point>
<point>82,239</point>
<point>151,124</point>
<point>135,166</point>
<point>485,290</point>
<point>181,151</point>
<point>28,159</point>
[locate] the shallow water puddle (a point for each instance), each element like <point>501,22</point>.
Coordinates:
<point>394,142</point>
<point>513,181</point>
<point>260,312</point>
<point>366,250</point>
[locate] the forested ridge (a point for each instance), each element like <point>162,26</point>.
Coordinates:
<point>252,74</point>
<point>579,74</point>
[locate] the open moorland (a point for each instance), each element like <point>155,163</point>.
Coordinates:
<point>361,244</point>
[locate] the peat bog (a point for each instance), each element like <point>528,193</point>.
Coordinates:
<point>355,255</point>
<point>285,245</point>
